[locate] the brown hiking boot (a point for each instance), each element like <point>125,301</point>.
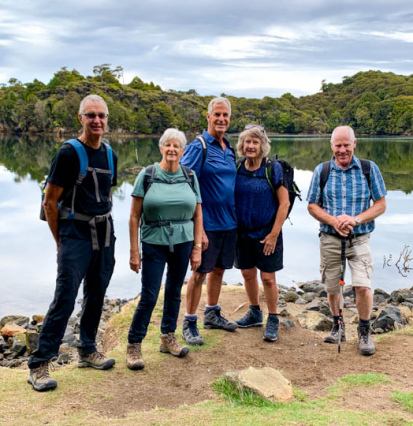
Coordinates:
<point>333,336</point>
<point>134,360</point>
<point>366,344</point>
<point>95,360</point>
<point>39,378</point>
<point>170,345</point>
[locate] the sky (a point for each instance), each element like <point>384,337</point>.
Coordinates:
<point>240,48</point>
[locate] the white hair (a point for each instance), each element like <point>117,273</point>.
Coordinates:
<point>170,134</point>
<point>254,132</point>
<point>350,133</point>
<point>91,98</point>
<point>219,101</point>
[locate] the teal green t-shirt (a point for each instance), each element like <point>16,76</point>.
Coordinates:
<point>167,202</point>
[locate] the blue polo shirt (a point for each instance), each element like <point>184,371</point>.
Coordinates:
<point>347,192</point>
<point>217,181</point>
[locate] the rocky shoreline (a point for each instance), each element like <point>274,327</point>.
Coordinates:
<point>19,335</point>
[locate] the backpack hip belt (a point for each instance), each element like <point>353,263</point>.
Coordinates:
<point>171,224</point>
<point>66,213</point>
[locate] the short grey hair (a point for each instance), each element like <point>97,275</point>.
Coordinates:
<point>170,134</point>
<point>350,133</point>
<point>218,101</point>
<point>255,132</point>
<point>92,98</point>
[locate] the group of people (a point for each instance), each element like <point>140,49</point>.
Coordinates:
<point>197,206</point>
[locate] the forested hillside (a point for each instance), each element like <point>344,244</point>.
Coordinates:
<point>372,102</point>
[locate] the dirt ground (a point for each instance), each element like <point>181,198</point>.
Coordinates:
<point>299,354</point>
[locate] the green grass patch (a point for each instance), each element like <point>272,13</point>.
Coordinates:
<point>350,381</point>
<point>408,331</point>
<point>405,399</point>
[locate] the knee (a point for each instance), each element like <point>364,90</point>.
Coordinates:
<point>363,292</point>
<point>218,273</point>
<point>268,280</point>
<point>249,274</point>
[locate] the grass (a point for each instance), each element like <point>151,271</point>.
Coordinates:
<point>407,331</point>
<point>351,381</point>
<point>405,399</point>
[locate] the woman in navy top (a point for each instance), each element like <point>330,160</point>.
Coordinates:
<point>261,210</point>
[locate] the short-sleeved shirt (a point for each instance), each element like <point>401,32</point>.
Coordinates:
<point>347,192</point>
<point>255,204</point>
<point>64,172</point>
<point>165,201</point>
<point>217,181</point>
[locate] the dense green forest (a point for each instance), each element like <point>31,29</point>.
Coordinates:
<point>372,102</point>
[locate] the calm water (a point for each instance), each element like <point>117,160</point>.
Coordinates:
<point>27,250</point>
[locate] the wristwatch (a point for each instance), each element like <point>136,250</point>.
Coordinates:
<point>358,221</point>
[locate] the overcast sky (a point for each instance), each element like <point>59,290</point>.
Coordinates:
<point>241,48</point>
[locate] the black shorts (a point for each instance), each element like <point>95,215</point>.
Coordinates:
<point>220,252</point>
<point>250,254</point>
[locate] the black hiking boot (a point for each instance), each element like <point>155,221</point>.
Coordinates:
<point>214,319</point>
<point>253,318</point>
<point>271,329</point>
<point>190,333</point>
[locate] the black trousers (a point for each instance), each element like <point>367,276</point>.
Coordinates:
<point>76,261</point>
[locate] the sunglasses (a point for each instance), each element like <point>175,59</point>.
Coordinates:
<point>92,115</point>
<point>253,126</point>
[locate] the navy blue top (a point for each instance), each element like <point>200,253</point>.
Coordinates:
<point>255,204</point>
<point>217,181</point>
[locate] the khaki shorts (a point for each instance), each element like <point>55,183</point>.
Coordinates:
<point>358,258</point>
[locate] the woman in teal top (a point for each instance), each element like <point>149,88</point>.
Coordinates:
<point>166,197</point>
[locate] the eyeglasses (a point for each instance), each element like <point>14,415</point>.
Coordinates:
<point>92,115</point>
<point>253,126</point>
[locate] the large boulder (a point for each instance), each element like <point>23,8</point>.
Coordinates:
<point>291,297</point>
<point>266,381</point>
<point>399,296</point>
<point>16,319</point>
<point>311,286</point>
<point>315,321</point>
<point>387,318</point>
<point>11,329</point>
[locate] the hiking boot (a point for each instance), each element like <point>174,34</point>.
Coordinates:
<point>366,344</point>
<point>214,319</point>
<point>253,318</point>
<point>190,333</point>
<point>271,329</point>
<point>95,360</point>
<point>333,336</point>
<point>169,345</point>
<point>134,360</point>
<point>39,378</point>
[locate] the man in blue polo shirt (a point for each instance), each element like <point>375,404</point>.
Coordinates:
<point>216,172</point>
<point>344,210</point>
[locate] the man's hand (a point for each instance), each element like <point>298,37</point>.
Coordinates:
<point>135,262</point>
<point>344,224</point>
<point>205,241</point>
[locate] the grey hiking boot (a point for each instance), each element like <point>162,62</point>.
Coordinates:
<point>39,378</point>
<point>95,360</point>
<point>134,360</point>
<point>170,345</point>
<point>190,333</point>
<point>271,329</point>
<point>214,319</point>
<point>253,318</point>
<point>333,336</point>
<point>366,344</point>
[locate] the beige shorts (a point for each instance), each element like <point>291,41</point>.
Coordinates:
<point>358,258</point>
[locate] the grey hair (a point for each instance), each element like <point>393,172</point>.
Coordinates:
<point>170,134</point>
<point>255,132</point>
<point>92,98</point>
<point>350,133</point>
<point>217,101</point>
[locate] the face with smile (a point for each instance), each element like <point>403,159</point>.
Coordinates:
<point>171,151</point>
<point>218,120</point>
<point>252,147</point>
<point>94,127</point>
<point>343,147</point>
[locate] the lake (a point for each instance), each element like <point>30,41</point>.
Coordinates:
<point>27,249</point>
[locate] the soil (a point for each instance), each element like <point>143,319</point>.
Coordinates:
<point>299,354</point>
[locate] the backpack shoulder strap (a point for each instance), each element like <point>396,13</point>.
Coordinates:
<point>148,178</point>
<point>204,148</point>
<point>83,158</point>
<point>189,176</point>
<point>239,163</point>
<point>269,173</point>
<point>366,168</point>
<point>325,173</point>
<point>109,153</point>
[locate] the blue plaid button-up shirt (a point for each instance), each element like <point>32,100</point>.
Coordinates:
<point>347,192</point>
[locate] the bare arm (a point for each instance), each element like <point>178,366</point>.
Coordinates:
<point>51,198</point>
<point>134,219</point>
<point>198,230</point>
<point>322,216</point>
<point>270,240</point>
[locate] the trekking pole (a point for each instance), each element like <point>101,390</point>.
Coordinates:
<point>340,312</point>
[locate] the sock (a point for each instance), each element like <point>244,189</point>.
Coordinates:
<point>335,319</point>
<point>273,316</point>
<point>255,307</point>
<point>210,307</point>
<point>191,317</point>
<point>364,323</point>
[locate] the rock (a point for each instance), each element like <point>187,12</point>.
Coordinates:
<point>321,306</point>
<point>3,345</point>
<point>287,323</point>
<point>348,291</point>
<point>311,286</point>
<point>16,319</point>
<point>408,304</point>
<point>11,329</point>
<point>291,297</point>
<point>266,381</point>
<point>284,313</point>
<point>379,291</point>
<point>387,317</point>
<point>69,337</point>
<point>322,293</point>
<point>63,358</point>
<point>406,312</point>
<point>315,321</point>
<point>301,301</point>
<point>399,296</point>
<point>18,344</point>
<point>37,319</point>
<point>32,341</point>
<point>239,284</point>
<point>309,297</point>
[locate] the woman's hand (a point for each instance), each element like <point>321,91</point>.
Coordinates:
<point>135,262</point>
<point>205,241</point>
<point>270,241</point>
<point>196,257</point>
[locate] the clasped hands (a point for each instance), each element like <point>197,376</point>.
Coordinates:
<point>344,224</point>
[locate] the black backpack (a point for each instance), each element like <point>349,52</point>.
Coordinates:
<point>150,178</point>
<point>325,173</point>
<point>288,172</point>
